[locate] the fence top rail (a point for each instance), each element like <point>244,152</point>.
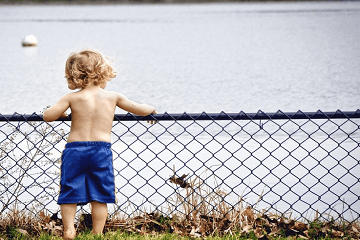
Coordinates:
<point>260,115</point>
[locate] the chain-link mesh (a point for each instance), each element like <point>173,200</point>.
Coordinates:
<point>298,163</point>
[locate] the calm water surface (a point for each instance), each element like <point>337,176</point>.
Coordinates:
<point>191,57</point>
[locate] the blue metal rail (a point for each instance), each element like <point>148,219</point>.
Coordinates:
<point>205,116</point>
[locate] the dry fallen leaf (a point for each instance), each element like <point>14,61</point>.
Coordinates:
<point>194,232</point>
<point>44,217</point>
<point>249,214</point>
<point>354,229</point>
<point>247,228</point>
<point>303,237</point>
<point>336,233</point>
<point>22,231</point>
<point>180,181</point>
<point>299,226</point>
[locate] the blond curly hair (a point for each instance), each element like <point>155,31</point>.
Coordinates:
<point>86,67</point>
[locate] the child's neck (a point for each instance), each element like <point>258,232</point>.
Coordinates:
<point>91,87</point>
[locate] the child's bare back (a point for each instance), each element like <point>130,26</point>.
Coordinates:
<point>92,112</point>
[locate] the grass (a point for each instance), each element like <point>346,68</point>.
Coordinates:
<point>129,236</point>
<point>118,235</point>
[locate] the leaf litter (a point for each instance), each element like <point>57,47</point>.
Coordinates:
<point>200,212</point>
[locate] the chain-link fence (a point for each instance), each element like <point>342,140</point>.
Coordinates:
<point>300,164</point>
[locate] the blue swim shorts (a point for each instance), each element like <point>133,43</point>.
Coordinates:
<point>87,173</point>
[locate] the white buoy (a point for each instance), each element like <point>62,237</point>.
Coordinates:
<point>29,41</point>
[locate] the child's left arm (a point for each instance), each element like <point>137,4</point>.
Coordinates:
<point>57,110</point>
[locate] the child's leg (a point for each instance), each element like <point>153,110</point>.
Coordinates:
<point>99,214</point>
<point>68,217</point>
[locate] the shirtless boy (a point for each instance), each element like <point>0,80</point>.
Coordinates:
<point>86,169</point>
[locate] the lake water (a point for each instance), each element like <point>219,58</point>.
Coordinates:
<point>190,57</point>
<point>201,57</point>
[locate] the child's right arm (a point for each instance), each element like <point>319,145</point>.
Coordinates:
<point>136,108</point>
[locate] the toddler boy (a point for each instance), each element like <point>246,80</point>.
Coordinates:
<point>87,169</point>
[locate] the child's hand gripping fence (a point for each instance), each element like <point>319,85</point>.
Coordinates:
<point>199,165</point>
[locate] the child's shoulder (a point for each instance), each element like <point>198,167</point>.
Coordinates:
<point>73,96</point>
<point>70,97</point>
<point>114,94</point>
